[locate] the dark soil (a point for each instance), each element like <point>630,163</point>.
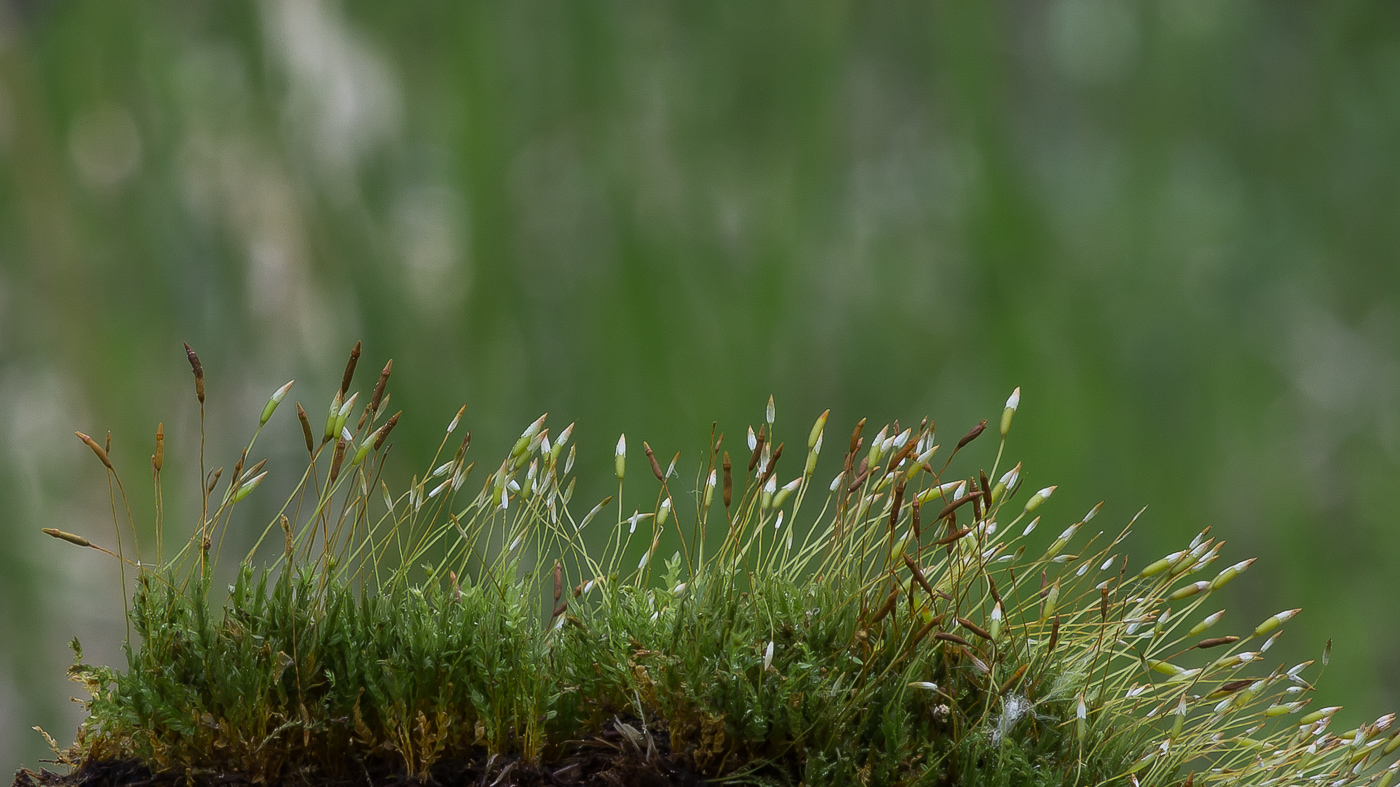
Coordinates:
<point>609,760</point>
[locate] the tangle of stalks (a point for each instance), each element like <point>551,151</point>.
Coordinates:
<point>899,625</point>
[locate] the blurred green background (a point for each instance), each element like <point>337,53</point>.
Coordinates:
<point>1175,224</point>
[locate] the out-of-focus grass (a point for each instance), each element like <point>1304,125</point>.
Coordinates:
<point>1173,226</point>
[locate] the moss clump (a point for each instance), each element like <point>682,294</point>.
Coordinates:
<point>893,627</point>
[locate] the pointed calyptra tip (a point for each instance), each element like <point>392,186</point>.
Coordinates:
<point>1040,497</point>
<point>456,419</point>
<point>248,486</point>
<point>534,427</point>
<point>814,437</point>
<point>527,440</point>
<point>345,409</point>
<point>1009,479</point>
<point>332,415</point>
<point>1012,403</point>
<point>770,412</point>
<point>274,400</point>
<point>620,457</point>
<point>785,491</point>
<point>902,439</point>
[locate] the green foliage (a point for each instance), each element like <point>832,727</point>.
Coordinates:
<point>905,633</point>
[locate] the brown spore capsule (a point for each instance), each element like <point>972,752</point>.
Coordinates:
<point>728,481</point>
<point>972,434</point>
<point>306,429</point>
<point>350,369</point>
<point>198,369</point>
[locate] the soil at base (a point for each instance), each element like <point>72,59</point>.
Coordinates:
<point>609,760</point>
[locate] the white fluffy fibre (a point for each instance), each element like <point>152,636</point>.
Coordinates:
<point>1014,707</point>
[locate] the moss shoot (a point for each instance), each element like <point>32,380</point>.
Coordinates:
<point>891,626</point>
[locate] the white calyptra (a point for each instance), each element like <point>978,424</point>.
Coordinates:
<point>1012,402</point>
<point>620,457</point>
<point>902,439</point>
<point>1040,497</point>
<point>272,402</point>
<point>785,492</point>
<point>592,512</point>
<point>1011,477</point>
